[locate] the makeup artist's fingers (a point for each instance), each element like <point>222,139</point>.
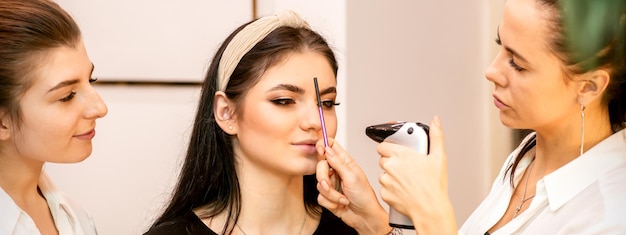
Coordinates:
<point>329,197</point>
<point>411,180</point>
<point>321,148</point>
<point>353,181</point>
<point>436,136</point>
<point>326,185</point>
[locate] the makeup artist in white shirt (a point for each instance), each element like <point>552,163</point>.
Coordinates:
<point>561,75</point>
<point>48,112</point>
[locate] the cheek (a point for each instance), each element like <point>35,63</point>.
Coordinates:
<point>48,124</point>
<point>261,120</point>
<point>330,120</point>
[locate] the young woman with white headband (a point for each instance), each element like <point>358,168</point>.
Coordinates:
<point>251,161</point>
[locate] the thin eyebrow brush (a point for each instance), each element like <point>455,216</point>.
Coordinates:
<point>319,109</point>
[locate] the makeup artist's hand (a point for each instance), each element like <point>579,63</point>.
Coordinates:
<point>417,185</point>
<point>355,202</point>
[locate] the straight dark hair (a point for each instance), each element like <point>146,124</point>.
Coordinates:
<point>208,179</point>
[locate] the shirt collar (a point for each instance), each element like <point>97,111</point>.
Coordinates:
<point>50,192</point>
<point>10,213</point>
<point>585,170</point>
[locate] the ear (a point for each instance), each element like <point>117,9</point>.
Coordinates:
<point>223,111</point>
<point>593,85</point>
<point>5,125</point>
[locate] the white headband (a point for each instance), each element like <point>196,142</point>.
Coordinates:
<point>249,36</point>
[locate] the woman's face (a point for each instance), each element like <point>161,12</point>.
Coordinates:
<point>59,110</point>
<point>530,88</point>
<point>278,123</point>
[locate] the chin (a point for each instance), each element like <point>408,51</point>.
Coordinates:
<point>508,122</point>
<point>78,157</point>
<point>306,169</point>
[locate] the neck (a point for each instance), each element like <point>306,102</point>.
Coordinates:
<point>19,177</point>
<point>559,145</point>
<point>268,198</point>
<point>271,203</point>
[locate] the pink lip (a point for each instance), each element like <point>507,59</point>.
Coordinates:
<point>499,104</point>
<point>307,146</point>
<point>87,135</point>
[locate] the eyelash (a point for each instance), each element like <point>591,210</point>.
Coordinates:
<point>283,101</point>
<point>511,61</point>
<point>515,66</point>
<point>73,93</point>
<point>68,97</point>
<point>330,103</point>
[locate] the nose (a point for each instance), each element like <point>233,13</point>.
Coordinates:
<point>310,118</point>
<point>95,106</point>
<point>493,72</point>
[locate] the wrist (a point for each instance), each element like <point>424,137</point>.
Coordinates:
<point>435,220</point>
<point>375,224</point>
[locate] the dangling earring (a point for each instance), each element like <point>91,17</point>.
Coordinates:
<point>582,125</point>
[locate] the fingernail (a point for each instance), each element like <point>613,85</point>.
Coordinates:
<point>330,152</point>
<point>325,185</point>
<point>437,122</point>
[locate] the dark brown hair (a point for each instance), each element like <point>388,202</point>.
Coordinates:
<point>28,29</point>
<point>208,178</point>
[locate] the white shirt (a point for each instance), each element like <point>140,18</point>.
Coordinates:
<point>69,218</point>
<point>585,196</point>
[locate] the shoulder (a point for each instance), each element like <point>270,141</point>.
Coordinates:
<point>331,224</point>
<point>189,224</point>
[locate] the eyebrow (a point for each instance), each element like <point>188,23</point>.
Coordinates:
<point>299,90</point>
<point>510,50</point>
<point>69,82</point>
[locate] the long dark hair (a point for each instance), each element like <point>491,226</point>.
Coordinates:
<point>208,178</point>
<point>28,28</point>
<point>570,41</point>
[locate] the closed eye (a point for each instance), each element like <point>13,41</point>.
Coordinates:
<point>515,65</point>
<point>68,97</point>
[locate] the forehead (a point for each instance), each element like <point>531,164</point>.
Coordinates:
<point>59,64</point>
<point>299,68</point>
<point>522,21</point>
<point>525,28</point>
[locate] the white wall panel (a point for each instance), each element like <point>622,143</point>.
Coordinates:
<point>155,40</point>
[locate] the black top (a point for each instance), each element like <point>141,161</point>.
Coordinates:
<point>190,224</point>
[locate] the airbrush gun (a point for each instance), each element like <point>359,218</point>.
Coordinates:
<point>410,134</point>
